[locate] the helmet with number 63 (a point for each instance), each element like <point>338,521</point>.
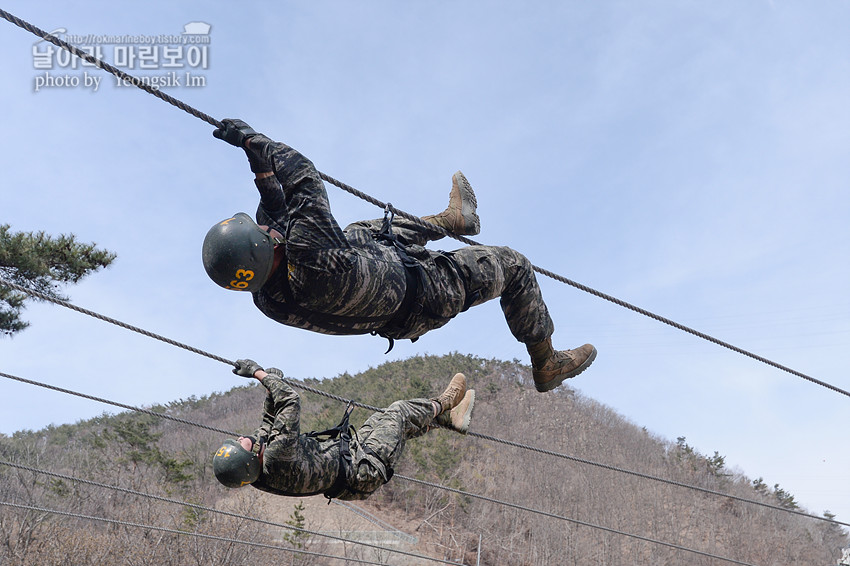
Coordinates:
<point>238,254</point>
<point>234,466</point>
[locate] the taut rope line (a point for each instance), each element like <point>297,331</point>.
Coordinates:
<point>212,121</point>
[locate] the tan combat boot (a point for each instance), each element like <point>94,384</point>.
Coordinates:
<point>460,217</point>
<point>453,394</point>
<point>458,418</point>
<point>551,367</point>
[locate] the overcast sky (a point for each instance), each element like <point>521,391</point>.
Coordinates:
<point>690,158</point>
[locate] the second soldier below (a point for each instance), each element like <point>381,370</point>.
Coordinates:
<point>278,458</point>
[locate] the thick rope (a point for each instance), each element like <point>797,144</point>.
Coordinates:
<point>355,403</point>
<point>115,404</point>
<point>651,477</point>
<point>218,511</point>
<point>45,297</point>
<point>184,533</point>
<point>144,332</point>
<point>212,121</point>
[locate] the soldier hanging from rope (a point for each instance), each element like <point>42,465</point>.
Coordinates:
<point>374,276</point>
<point>339,462</point>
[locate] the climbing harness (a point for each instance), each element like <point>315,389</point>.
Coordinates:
<point>343,431</point>
<point>413,272</point>
<point>392,324</point>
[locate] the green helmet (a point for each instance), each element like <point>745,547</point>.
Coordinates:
<point>234,466</point>
<point>238,254</point>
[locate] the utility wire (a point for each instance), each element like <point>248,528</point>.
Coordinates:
<point>216,511</point>
<point>387,206</point>
<point>562,518</point>
<point>185,533</point>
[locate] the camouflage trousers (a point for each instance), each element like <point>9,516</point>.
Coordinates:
<point>384,435</point>
<point>470,276</point>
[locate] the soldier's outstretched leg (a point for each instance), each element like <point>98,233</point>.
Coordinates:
<point>460,217</point>
<point>386,432</point>
<point>550,367</point>
<point>456,404</point>
<point>498,271</point>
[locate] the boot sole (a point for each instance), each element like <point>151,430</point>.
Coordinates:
<point>467,415</point>
<point>468,206</point>
<point>558,380</point>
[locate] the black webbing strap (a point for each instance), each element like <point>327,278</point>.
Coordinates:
<point>412,273</point>
<point>343,432</point>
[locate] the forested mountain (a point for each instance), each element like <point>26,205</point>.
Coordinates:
<point>557,506</point>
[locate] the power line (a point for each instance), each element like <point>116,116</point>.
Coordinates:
<point>185,533</point>
<point>216,511</point>
<point>388,206</point>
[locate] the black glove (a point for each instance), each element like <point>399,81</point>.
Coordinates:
<point>246,368</point>
<point>235,132</point>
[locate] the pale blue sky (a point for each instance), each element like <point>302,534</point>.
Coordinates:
<point>690,158</point>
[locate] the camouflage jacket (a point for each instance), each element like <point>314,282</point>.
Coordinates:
<point>293,463</point>
<point>338,281</point>
<point>296,464</point>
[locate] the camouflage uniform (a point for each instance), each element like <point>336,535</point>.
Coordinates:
<point>347,282</point>
<point>296,464</point>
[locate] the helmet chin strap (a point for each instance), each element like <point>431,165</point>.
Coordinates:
<point>274,239</point>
